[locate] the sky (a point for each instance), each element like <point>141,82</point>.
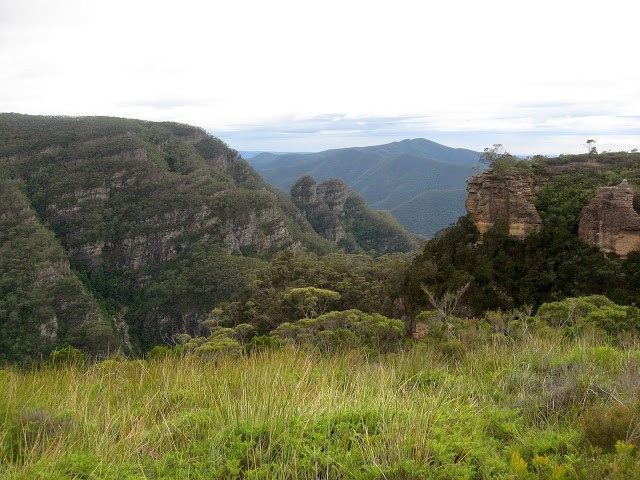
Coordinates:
<point>539,77</point>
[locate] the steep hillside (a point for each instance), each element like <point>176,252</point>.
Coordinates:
<point>387,176</point>
<point>342,217</point>
<point>42,302</point>
<point>138,226</point>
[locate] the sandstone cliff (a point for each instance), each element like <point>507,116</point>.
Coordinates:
<point>610,221</point>
<point>323,205</point>
<point>43,304</point>
<point>505,199</point>
<point>122,210</point>
<point>342,217</point>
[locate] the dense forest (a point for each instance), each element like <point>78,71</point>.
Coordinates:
<point>119,234</point>
<point>550,265</point>
<point>164,313</point>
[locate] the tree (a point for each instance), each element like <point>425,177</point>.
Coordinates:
<point>591,145</point>
<point>491,154</point>
<point>311,301</point>
<point>446,304</point>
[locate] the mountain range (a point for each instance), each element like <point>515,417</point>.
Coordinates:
<point>422,183</point>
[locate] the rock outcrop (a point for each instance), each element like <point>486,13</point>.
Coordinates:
<point>323,205</point>
<point>342,217</point>
<point>610,221</point>
<point>506,199</point>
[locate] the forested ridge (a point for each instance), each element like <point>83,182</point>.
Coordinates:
<point>550,265</point>
<point>119,234</point>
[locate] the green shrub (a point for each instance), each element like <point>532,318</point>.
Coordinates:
<point>261,343</point>
<point>219,346</point>
<point>579,314</point>
<point>342,330</point>
<point>327,447</point>
<point>605,425</point>
<point>625,464</point>
<point>157,352</point>
<point>452,349</point>
<point>66,356</point>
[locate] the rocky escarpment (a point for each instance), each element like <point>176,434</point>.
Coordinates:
<point>323,205</point>
<point>611,222</point>
<point>505,199</point>
<point>123,211</point>
<point>43,305</point>
<point>155,222</point>
<point>341,216</point>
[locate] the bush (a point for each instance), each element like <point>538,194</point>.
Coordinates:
<point>66,356</point>
<point>261,343</point>
<point>604,426</point>
<point>577,314</point>
<point>347,329</point>
<point>453,349</point>
<point>157,352</point>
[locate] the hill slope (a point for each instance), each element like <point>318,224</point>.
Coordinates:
<point>387,176</point>
<point>127,229</point>
<point>119,234</point>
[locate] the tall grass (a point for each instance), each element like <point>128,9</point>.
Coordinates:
<point>501,410</point>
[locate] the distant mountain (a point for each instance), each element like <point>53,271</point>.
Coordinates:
<point>248,154</point>
<point>393,177</point>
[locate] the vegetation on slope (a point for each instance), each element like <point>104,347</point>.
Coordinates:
<point>364,283</point>
<point>519,365</point>
<point>127,234</point>
<point>386,176</point>
<point>341,216</point>
<point>43,305</point>
<point>431,211</point>
<point>159,221</point>
<point>507,273</point>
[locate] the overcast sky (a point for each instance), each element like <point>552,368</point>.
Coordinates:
<point>539,77</point>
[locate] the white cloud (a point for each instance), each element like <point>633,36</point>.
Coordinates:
<point>536,69</point>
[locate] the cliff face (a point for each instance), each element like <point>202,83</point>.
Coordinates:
<point>123,210</point>
<point>610,221</point>
<point>506,199</point>
<point>322,205</point>
<point>130,209</point>
<point>43,305</point>
<point>342,217</point>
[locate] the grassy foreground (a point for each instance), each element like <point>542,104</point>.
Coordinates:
<point>538,409</point>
